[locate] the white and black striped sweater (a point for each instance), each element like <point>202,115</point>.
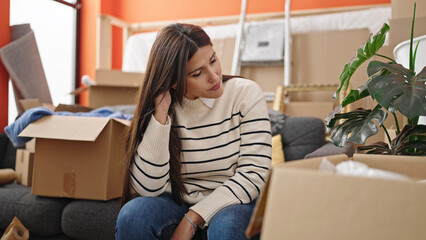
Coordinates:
<point>226,150</point>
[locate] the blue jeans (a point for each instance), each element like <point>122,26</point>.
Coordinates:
<point>158,217</point>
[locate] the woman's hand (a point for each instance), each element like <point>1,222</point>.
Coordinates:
<point>162,105</point>
<point>185,230</point>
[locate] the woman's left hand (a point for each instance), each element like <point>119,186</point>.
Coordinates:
<point>185,230</point>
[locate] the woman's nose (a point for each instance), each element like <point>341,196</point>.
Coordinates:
<point>213,76</point>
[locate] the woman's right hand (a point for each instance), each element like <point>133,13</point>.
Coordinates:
<point>162,105</point>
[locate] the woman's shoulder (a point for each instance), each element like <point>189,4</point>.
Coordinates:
<point>242,83</point>
<point>239,84</point>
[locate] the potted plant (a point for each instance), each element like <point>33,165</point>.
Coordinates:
<point>395,89</point>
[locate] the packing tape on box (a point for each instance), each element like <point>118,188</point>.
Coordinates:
<point>16,231</point>
<point>69,183</point>
<point>7,175</point>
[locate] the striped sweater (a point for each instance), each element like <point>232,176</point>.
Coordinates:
<point>226,150</point>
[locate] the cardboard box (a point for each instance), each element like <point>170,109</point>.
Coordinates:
<point>78,157</point>
<point>300,202</point>
<point>400,29</point>
<point>72,108</point>
<point>34,102</point>
<point>114,87</point>
<point>308,109</point>
<point>404,8</point>
<point>30,145</point>
<point>24,166</point>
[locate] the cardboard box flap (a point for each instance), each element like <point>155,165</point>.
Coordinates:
<point>106,77</point>
<point>34,102</point>
<point>66,127</point>
<point>122,121</point>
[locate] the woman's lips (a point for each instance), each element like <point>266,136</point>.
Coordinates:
<point>216,87</point>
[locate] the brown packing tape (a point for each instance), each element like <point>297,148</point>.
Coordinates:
<point>7,175</point>
<point>16,231</point>
<point>69,183</point>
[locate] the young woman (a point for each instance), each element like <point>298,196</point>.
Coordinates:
<point>199,147</point>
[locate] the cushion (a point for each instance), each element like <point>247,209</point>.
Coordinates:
<point>276,119</point>
<point>331,149</point>
<point>41,215</point>
<point>277,150</point>
<point>84,219</point>
<point>301,135</point>
<point>57,237</point>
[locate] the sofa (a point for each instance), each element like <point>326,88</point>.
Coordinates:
<point>64,219</point>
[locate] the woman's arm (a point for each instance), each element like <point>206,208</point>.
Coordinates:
<point>149,172</point>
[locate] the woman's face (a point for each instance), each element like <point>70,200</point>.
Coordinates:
<point>204,75</point>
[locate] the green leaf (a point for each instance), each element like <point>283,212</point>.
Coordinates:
<point>403,142</point>
<point>412,58</point>
<point>355,95</point>
<point>400,89</point>
<point>358,125</point>
<point>412,148</point>
<point>362,54</point>
<point>375,148</point>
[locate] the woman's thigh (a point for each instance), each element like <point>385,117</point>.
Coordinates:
<point>230,222</point>
<point>149,218</point>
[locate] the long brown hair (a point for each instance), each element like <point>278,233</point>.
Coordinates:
<point>172,49</point>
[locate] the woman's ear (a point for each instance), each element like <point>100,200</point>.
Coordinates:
<point>174,86</point>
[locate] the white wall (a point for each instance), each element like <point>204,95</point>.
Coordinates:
<point>54,28</point>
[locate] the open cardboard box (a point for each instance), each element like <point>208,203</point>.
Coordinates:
<point>113,87</point>
<point>78,157</point>
<point>300,202</point>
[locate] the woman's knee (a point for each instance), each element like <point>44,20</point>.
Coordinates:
<point>150,217</point>
<point>130,214</point>
<point>230,222</point>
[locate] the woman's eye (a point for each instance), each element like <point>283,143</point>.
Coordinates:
<point>197,74</point>
<point>213,60</point>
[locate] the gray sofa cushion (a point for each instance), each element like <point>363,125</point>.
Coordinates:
<point>301,135</point>
<point>58,237</point>
<point>91,220</point>
<point>331,149</point>
<point>41,215</point>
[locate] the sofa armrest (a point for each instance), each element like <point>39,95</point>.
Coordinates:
<point>7,152</point>
<point>331,149</point>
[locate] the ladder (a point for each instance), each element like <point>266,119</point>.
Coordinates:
<point>240,40</point>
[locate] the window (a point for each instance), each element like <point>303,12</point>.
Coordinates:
<point>54,25</point>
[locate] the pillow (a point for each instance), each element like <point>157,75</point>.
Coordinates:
<point>277,150</point>
<point>277,121</point>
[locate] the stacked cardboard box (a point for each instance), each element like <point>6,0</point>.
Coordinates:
<point>24,164</point>
<point>113,87</point>
<point>402,17</point>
